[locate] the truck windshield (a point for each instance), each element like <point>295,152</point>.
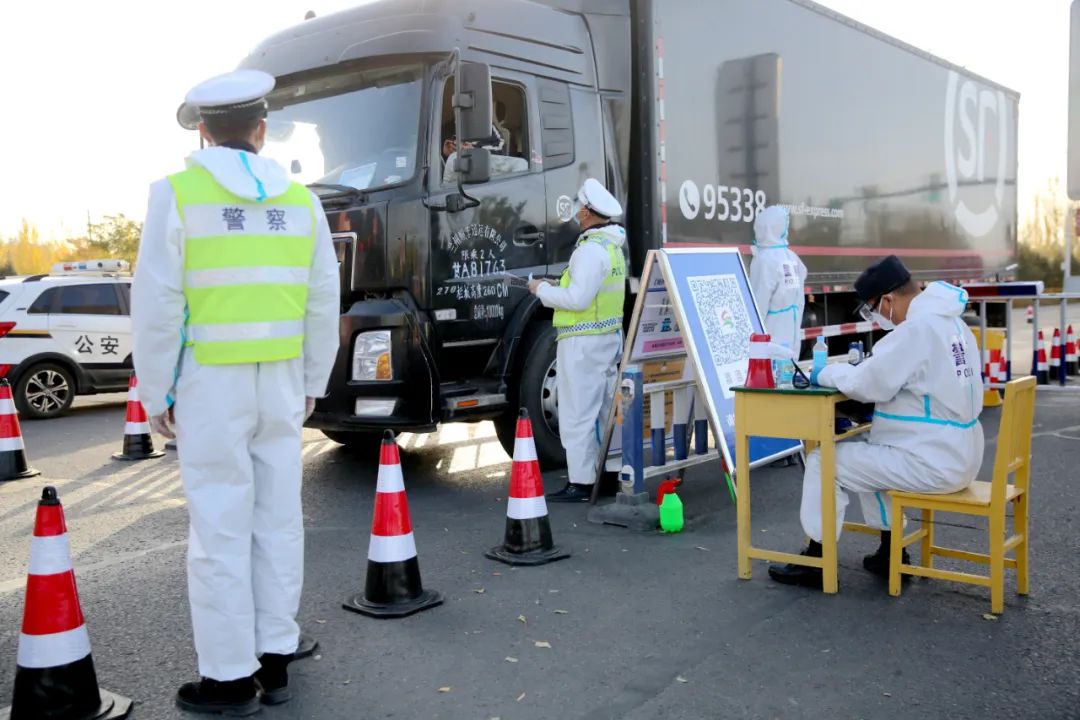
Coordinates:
<point>355,127</point>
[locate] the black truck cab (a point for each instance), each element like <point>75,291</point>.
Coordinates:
<point>433,328</point>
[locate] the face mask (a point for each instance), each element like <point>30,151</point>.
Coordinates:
<point>578,207</point>
<point>885,323</point>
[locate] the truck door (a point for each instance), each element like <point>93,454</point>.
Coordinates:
<point>471,299</point>
<point>573,140</point>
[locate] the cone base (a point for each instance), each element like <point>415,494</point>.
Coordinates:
<point>306,648</point>
<point>112,707</point>
<point>131,458</point>
<point>536,557</point>
<point>27,473</point>
<point>358,603</point>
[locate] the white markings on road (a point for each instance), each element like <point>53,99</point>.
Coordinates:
<point>7,586</point>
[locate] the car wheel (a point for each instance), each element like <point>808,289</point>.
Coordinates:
<point>537,393</point>
<point>44,391</point>
<point>356,441</point>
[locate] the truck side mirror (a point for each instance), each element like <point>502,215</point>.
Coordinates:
<point>473,165</point>
<point>472,101</point>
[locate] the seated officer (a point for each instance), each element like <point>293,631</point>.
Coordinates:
<point>925,381</point>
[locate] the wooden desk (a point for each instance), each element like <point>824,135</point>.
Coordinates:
<point>808,415</point>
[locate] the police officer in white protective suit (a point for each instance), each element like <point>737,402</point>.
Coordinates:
<point>777,277</point>
<point>588,303</point>
<point>924,379</point>
<point>235,318</point>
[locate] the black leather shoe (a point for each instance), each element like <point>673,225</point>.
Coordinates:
<point>800,575</point>
<point>878,562</point>
<point>272,678</point>
<point>572,493</point>
<point>234,698</point>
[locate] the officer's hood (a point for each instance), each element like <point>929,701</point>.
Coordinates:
<point>614,232</point>
<point>242,173</point>
<point>939,298</point>
<point>771,227</point>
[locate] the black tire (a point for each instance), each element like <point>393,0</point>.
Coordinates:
<point>45,391</point>
<point>356,441</point>
<point>535,392</point>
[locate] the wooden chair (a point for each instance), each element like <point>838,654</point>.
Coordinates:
<point>988,499</point>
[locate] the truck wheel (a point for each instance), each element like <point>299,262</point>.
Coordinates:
<point>44,391</point>
<point>355,440</point>
<point>536,393</point>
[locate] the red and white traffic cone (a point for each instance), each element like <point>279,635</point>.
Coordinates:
<point>54,673</point>
<point>527,540</point>
<point>1042,374</point>
<point>993,374</point>
<point>1029,316</point>
<point>138,444</point>
<point>1002,376</point>
<point>759,372</point>
<point>13,464</point>
<point>1056,358</point>
<point>1070,353</point>
<point>392,588</point>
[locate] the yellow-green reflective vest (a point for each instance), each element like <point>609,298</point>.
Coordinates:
<point>605,313</point>
<point>246,268</point>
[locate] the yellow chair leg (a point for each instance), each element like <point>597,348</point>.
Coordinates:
<point>1020,525</point>
<point>896,549</point>
<point>928,541</point>
<point>997,563</point>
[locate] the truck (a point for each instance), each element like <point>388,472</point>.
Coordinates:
<point>447,139</point>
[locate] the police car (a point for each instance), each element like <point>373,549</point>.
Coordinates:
<point>64,334</point>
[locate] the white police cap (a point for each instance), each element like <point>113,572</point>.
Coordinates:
<point>595,196</point>
<point>236,91</point>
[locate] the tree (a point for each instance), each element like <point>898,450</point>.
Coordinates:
<point>1042,236</point>
<point>117,237</point>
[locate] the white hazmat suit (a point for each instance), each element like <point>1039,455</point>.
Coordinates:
<point>924,378</point>
<point>777,277</point>
<point>587,363</point>
<point>239,432</point>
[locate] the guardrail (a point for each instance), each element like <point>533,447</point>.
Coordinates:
<point>1052,373</point>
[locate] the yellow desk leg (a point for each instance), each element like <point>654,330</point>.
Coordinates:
<point>828,515</point>
<point>742,502</point>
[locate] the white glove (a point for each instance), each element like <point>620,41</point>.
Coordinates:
<point>162,424</point>
<point>309,407</point>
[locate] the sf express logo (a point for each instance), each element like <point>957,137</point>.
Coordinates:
<point>976,137</point>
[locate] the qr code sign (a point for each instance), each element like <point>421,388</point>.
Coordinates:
<point>724,320</point>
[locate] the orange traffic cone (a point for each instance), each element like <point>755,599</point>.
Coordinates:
<point>393,588</point>
<point>527,540</point>
<point>12,451</point>
<point>54,673</point>
<point>759,372</point>
<point>138,445</point>
<point>1070,353</point>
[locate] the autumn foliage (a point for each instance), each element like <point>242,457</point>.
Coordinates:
<point>115,237</point>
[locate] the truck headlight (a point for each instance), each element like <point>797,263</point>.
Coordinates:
<point>371,356</point>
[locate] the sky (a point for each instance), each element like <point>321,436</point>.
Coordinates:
<point>90,89</point>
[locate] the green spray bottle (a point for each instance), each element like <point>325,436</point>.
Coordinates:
<point>671,513</point>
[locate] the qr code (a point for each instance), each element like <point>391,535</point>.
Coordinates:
<point>724,320</point>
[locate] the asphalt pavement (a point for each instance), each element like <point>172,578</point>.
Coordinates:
<point>641,627</point>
